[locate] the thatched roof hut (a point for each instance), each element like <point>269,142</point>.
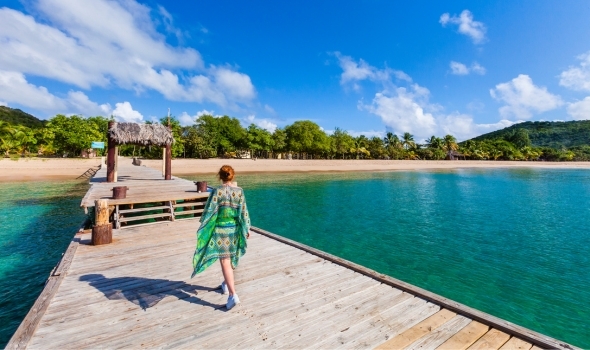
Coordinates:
<point>141,134</point>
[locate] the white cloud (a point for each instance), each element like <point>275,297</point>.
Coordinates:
<point>580,110</point>
<point>15,88</point>
<point>262,123</point>
<point>2,103</point>
<point>353,72</point>
<point>104,43</point>
<point>269,109</point>
<point>459,68</point>
<point>124,112</point>
<point>186,120</point>
<point>522,98</point>
<point>408,109</point>
<point>403,111</point>
<point>463,127</point>
<point>478,69</point>
<point>577,78</point>
<point>473,29</point>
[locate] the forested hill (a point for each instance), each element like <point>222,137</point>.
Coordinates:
<point>547,134</point>
<point>18,117</point>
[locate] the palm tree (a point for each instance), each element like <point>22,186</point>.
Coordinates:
<point>359,145</point>
<point>434,142</point>
<point>392,142</point>
<point>408,140</point>
<point>450,144</point>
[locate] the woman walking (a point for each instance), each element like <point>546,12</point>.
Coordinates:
<point>225,225</point>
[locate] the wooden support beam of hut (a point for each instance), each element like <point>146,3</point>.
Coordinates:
<point>163,161</point>
<point>168,162</point>
<point>111,155</point>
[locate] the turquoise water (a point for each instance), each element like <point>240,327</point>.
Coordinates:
<point>513,243</point>
<point>37,222</point>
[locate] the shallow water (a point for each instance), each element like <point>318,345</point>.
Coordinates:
<point>513,243</point>
<point>37,222</point>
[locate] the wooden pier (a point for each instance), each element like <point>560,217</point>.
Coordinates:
<point>137,293</point>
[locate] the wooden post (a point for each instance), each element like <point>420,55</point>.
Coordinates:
<point>116,176</point>
<point>163,161</point>
<point>102,232</point>
<point>111,156</point>
<point>168,163</point>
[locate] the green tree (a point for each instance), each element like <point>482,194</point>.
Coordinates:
<point>408,141</point>
<point>342,142</point>
<point>450,144</point>
<point>393,145</point>
<point>279,140</point>
<point>305,136</point>
<point>259,141</point>
<point>73,134</point>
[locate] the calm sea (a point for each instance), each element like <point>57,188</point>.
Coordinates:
<point>513,243</point>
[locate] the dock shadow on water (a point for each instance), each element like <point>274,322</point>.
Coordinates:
<point>148,292</point>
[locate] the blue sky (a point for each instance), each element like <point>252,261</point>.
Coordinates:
<point>429,68</point>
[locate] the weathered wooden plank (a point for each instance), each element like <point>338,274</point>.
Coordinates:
<point>418,331</point>
<point>493,339</point>
<point>465,337</point>
<point>359,332</point>
<point>440,334</point>
<point>516,344</point>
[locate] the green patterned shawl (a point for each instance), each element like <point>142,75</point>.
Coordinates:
<point>223,203</point>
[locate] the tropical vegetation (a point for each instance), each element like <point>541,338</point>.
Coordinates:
<point>23,135</point>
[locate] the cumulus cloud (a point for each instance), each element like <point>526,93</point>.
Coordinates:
<point>124,112</point>
<point>459,68</point>
<point>15,88</point>
<point>467,26</point>
<point>408,109</point>
<point>356,71</point>
<point>523,98</point>
<point>403,110</point>
<point>463,127</point>
<point>577,78</point>
<point>186,120</point>
<point>263,123</point>
<point>112,43</point>
<point>580,110</point>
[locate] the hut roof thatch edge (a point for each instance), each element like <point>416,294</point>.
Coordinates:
<point>141,134</point>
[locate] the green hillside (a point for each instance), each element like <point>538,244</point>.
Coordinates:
<point>556,135</point>
<point>18,117</point>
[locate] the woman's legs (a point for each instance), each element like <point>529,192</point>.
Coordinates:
<point>228,275</point>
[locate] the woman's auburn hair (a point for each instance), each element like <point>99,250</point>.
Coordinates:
<point>226,173</point>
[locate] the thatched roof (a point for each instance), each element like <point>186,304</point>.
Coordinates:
<point>141,134</point>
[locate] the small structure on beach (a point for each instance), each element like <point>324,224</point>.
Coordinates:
<point>454,155</point>
<point>141,135</point>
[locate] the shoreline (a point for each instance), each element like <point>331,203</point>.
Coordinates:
<point>58,169</point>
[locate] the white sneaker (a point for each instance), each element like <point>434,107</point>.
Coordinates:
<point>232,301</point>
<point>224,289</point>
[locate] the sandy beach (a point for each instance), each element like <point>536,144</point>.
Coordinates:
<point>32,169</point>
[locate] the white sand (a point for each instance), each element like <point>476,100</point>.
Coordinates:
<point>58,168</point>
